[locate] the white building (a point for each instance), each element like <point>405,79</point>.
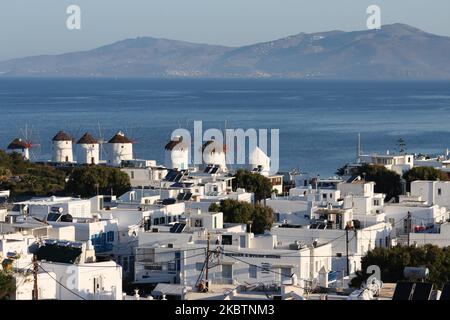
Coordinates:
<point>240,257</point>
<point>438,236</point>
<point>432,192</point>
<point>21,147</point>
<point>74,266</point>
<point>41,207</point>
<point>62,148</point>
<point>88,150</point>
<point>177,154</point>
<point>144,173</point>
<point>120,148</point>
<point>399,163</point>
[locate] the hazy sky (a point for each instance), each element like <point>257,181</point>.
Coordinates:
<point>30,27</point>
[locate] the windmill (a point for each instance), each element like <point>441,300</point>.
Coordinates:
<point>24,144</point>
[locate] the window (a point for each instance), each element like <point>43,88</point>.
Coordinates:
<point>285,274</point>
<point>98,285</point>
<point>67,159</point>
<point>156,221</point>
<point>132,174</point>
<point>242,241</point>
<point>253,271</point>
<point>376,202</point>
<point>324,196</point>
<point>162,220</point>
<point>439,192</point>
<point>215,223</point>
<point>227,239</point>
<point>110,236</point>
<point>198,223</point>
<point>169,219</point>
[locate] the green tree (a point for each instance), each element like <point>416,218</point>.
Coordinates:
<point>401,145</point>
<point>253,182</point>
<point>243,212</point>
<point>386,181</point>
<point>25,178</point>
<point>393,261</point>
<point>423,173</point>
<point>7,284</point>
<point>85,181</point>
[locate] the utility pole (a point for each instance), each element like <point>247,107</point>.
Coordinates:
<point>35,276</point>
<point>346,249</point>
<point>408,227</point>
<point>207,262</point>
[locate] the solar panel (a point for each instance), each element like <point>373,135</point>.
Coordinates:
<point>187,196</point>
<point>53,216</point>
<point>169,201</point>
<point>171,174</point>
<point>177,227</point>
<point>422,291</point>
<point>445,295</point>
<point>184,196</point>
<point>403,291</point>
<point>214,170</point>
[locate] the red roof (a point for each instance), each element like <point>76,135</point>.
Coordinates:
<point>176,143</point>
<point>62,136</point>
<point>18,144</point>
<point>87,139</point>
<point>120,137</point>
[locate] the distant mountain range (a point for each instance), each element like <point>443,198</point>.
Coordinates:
<point>397,51</point>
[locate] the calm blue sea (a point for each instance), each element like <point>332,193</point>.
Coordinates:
<point>318,120</point>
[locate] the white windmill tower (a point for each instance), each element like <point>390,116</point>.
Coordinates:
<point>120,148</point>
<point>62,147</point>
<point>259,161</point>
<point>88,150</point>
<point>21,147</point>
<point>214,154</point>
<point>177,154</point>
<point>24,144</point>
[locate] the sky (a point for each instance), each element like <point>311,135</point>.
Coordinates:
<point>33,27</point>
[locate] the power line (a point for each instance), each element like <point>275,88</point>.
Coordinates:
<point>76,294</point>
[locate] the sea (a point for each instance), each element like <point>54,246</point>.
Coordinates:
<point>318,121</point>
